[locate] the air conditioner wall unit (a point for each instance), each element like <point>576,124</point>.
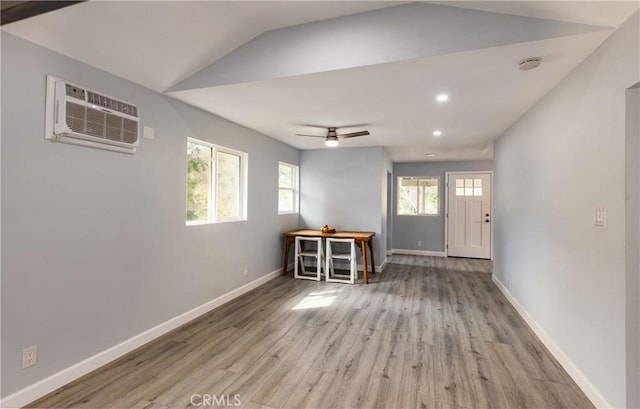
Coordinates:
<point>81,116</point>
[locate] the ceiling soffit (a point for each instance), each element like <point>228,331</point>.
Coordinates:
<point>391,34</point>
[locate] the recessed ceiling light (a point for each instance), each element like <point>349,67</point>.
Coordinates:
<point>437,133</point>
<point>431,155</point>
<point>442,98</point>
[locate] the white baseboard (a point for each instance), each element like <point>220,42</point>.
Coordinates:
<point>55,381</point>
<point>419,252</point>
<point>583,382</point>
<point>381,267</point>
<point>378,269</point>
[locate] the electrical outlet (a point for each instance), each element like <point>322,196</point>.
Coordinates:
<point>246,271</point>
<point>419,244</point>
<point>29,356</point>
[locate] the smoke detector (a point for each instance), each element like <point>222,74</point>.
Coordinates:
<point>529,63</point>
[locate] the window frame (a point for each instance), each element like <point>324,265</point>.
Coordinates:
<point>295,189</point>
<point>242,189</point>
<point>397,207</point>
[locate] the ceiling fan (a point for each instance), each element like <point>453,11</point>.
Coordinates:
<point>331,138</point>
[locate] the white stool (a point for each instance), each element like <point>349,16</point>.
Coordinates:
<point>350,256</point>
<point>317,253</point>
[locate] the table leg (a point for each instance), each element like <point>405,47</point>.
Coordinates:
<point>373,263</point>
<point>287,247</point>
<point>365,271</point>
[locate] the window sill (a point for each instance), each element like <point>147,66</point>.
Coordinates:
<point>200,223</point>
<point>285,213</point>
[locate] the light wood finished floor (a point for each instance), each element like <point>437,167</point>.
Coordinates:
<point>427,333</point>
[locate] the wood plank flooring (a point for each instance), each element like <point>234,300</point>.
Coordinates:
<point>426,333</point>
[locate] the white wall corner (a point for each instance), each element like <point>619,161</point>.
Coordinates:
<point>580,379</point>
<point>381,267</point>
<point>378,268</point>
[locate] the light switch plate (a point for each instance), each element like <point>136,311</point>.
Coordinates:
<point>148,133</point>
<point>598,216</point>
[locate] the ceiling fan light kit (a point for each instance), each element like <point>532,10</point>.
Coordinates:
<point>331,142</point>
<point>331,139</point>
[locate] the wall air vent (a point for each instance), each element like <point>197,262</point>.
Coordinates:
<point>529,63</point>
<point>80,116</point>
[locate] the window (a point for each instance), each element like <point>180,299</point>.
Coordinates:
<point>417,196</point>
<point>287,188</point>
<point>468,187</point>
<point>216,182</point>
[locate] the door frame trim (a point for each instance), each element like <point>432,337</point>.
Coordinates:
<point>446,205</point>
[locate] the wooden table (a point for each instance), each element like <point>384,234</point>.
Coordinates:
<point>361,238</point>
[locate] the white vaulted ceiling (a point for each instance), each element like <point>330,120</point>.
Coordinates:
<point>278,66</point>
<point>158,43</point>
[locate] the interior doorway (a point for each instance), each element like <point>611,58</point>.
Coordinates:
<point>389,244</point>
<point>632,247</point>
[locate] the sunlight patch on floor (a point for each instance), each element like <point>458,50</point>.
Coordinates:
<point>316,299</point>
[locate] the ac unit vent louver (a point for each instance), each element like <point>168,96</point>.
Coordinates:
<point>80,116</point>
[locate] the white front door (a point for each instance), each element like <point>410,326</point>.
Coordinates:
<point>469,215</point>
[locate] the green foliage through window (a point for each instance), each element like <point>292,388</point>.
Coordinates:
<point>214,183</point>
<point>287,188</point>
<point>198,182</point>
<point>417,196</point>
<point>228,186</point>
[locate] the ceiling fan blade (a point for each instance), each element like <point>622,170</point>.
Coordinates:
<point>354,134</point>
<point>312,136</point>
<point>353,126</point>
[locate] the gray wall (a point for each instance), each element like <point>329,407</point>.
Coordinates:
<point>343,188</point>
<point>386,217</point>
<point>633,245</point>
<point>94,243</point>
<point>408,230</point>
<point>389,240</point>
<point>553,166</point>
